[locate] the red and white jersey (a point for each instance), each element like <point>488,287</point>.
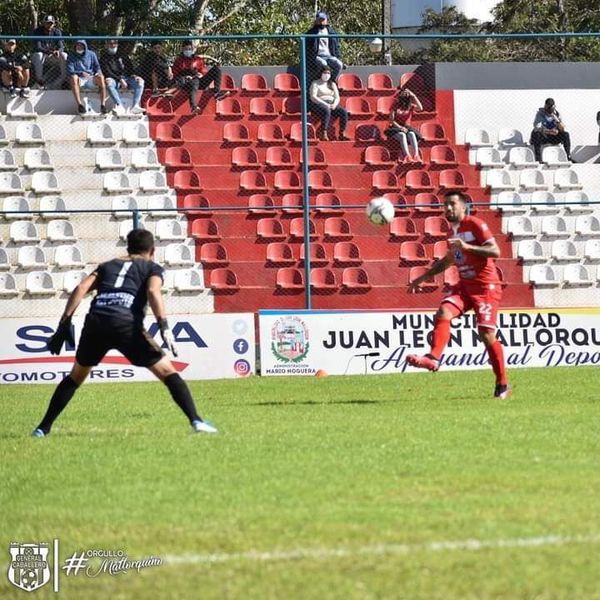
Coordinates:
<point>471,267</point>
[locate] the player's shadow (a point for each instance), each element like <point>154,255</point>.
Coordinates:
<point>309,402</point>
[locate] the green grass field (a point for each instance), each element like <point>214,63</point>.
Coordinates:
<point>344,487</point>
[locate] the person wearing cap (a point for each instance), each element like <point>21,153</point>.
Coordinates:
<point>14,70</point>
<point>83,69</point>
<point>157,71</point>
<point>120,74</point>
<point>323,50</point>
<point>49,59</point>
<point>548,128</point>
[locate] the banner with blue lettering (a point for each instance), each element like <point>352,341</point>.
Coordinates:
<point>210,346</point>
<point>356,342</point>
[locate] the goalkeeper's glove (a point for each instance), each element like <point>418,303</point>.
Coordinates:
<point>62,334</point>
<point>167,336</point>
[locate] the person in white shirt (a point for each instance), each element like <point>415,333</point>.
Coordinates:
<point>325,104</point>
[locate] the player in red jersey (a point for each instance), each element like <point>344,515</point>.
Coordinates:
<point>473,249</point>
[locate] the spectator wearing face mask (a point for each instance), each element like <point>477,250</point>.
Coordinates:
<point>120,74</point>
<point>325,104</point>
<point>49,59</point>
<point>191,74</point>
<point>156,69</point>
<point>400,129</point>
<point>323,50</point>
<point>84,72</point>
<point>548,128</point>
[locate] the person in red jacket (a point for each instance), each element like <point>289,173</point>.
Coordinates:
<point>191,74</point>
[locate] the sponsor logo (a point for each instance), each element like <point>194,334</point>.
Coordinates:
<point>28,568</point>
<point>289,340</point>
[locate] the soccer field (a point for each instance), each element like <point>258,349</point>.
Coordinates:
<point>414,486</point>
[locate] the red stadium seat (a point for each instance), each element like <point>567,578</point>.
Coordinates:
<point>236,133</point>
<point>349,83</point>
<point>280,253</point>
<point>418,181</point>
<point>443,155</point>
<point>253,181</point>
<point>404,228</point>
<point>297,228</point>
<point>223,279</point>
<point>270,133</point>
<point>433,132</point>
<point>380,83</point>
<point>327,202</point>
<point>177,156</point>
<point>384,181</point>
<point>296,133</point>
<point>451,179</point>
<point>358,108</point>
<point>292,204</point>
<point>196,205</point>
<point>378,156</point>
<point>318,255</point>
<point>413,253</point>
<point>213,254</point>
<point>187,181</point>
<point>270,229</point>
<point>279,157</point>
<point>414,82</point>
<point>263,108</point>
<point>429,284</point>
<point>286,83</point>
<point>384,106</point>
<point>289,278</point>
<point>291,106</point>
<point>398,200</point>
<point>287,180</point>
<point>355,278</point>
<point>440,249</point>
<point>316,157</point>
<point>205,230</point>
<point>169,132</point>
<point>261,204</point>
<point>229,108</point>
<point>436,227</point>
<point>337,227</point>
<point>367,133</point>
<point>323,279</point>
<point>254,83</point>
<point>319,181</point>
<point>427,202</point>
<point>228,84</point>
<point>244,157</point>
<point>159,107</point>
<point>346,253</point>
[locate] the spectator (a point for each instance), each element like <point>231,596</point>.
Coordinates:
<point>84,71</point>
<point>119,74</point>
<point>325,104</point>
<point>400,129</point>
<point>156,70</point>
<point>49,59</point>
<point>14,70</point>
<point>191,74</point>
<point>324,50</point>
<point>548,128</point>
<point>598,121</point>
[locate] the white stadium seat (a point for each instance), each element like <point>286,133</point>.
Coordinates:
<point>60,230</point>
<point>123,206</point>
<point>44,182</point>
<point>16,207</point>
<point>577,202</point>
<point>162,206</point>
<point>555,156</point>
<point>510,137</point>
<point>530,251</point>
<point>22,109</point>
<point>23,232</point>
<point>29,133</point>
<point>499,180</point>
<point>477,137</point>
<point>532,179</point>
<point>10,183</point>
<point>566,179</point>
<point>587,226</point>
<point>543,202</point>
<point>3,135</point>
<point>4,261</point>
<point>100,133</point>
<point>31,257</point>
<point>109,158</point>
<point>188,280</point>
<point>136,133</point>
<point>521,156</point>
<point>68,256</point>
<point>171,230</point>
<point>520,227</point>
<point>153,181</point>
<point>178,255</point>
<point>8,285</point>
<point>489,157</point>
<point>511,202</point>
<point>543,276</point>
<point>577,275</point>
<point>117,182</point>
<point>126,226</point>
<point>71,279</point>
<point>37,159</point>
<point>39,283</point>
<point>564,251</point>
<point>591,251</point>
<point>7,160</point>
<point>144,158</point>
<point>53,207</point>
<point>553,227</point>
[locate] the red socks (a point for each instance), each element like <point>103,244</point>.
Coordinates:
<point>496,356</point>
<point>440,337</point>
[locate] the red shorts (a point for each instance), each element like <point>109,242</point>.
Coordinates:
<point>483,299</point>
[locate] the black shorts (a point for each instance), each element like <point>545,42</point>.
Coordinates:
<point>103,333</point>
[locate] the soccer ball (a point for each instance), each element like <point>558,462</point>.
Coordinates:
<point>380,211</point>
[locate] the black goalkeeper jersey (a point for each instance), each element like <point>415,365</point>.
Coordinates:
<point>122,288</point>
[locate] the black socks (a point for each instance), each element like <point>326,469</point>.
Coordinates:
<point>180,392</point>
<point>62,395</point>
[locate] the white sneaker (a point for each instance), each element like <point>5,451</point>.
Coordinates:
<point>204,427</point>
<point>118,110</point>
<point>137,110</point>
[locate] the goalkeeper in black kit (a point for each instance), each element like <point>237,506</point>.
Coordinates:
<point>124,286</point>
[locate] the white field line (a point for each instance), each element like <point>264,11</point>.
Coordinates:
<point>379,550</point>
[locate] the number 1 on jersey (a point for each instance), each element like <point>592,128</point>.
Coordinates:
<point>122,273</point>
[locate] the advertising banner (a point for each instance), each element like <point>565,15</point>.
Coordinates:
<point>356,342</point>
<point>210,346</point>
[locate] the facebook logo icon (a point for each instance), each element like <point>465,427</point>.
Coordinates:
<point>240,346</point>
